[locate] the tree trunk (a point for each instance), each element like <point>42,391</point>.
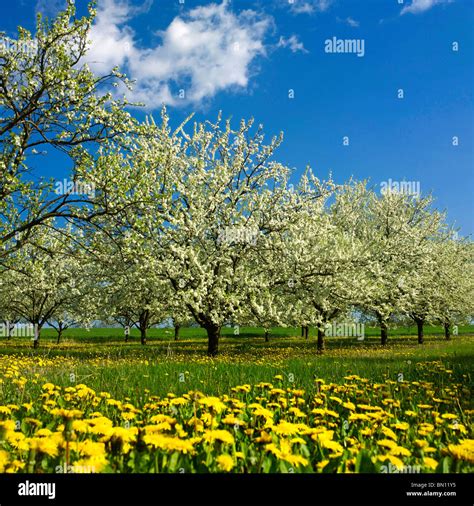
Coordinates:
<point>383,332</point>
<point>176,332</point>
<point>143,335</point>
<point>213,335</point>
<point>143,323</point>
<point>306,332</point>
<point>267,333</point>
<point>10,329</point>
<point>447,330</point>
<point>303,330</point>
<point>60,333</point>
<point>419,326</point>
<point>37,336</point>
<point>321,333</point>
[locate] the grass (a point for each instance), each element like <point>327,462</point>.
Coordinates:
<point>103,361</point>
<point>259,406</point>
<point>116,334</point>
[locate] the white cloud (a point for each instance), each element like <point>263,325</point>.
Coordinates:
<point>418,6</point>
<point>349,21</point>
<point>309,6</point>
<point>293,43</point>
<point>111,43</point>
<point>204,51</point>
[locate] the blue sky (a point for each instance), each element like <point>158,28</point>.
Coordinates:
<point>244,56</point>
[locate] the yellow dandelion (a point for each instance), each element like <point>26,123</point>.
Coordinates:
<point>219,435</point>
<point>225,462</point>
<point>430,463</point>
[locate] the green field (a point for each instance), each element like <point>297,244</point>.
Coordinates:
<point>246,358</point>
<point>107,334</point>
<point>98,404</point>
